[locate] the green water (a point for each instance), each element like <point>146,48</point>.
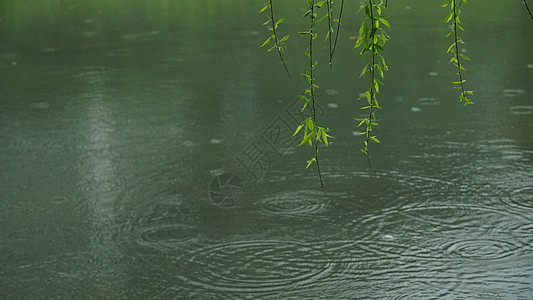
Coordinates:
<point>144,155</point>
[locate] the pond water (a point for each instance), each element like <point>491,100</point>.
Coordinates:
<point>144,155</point>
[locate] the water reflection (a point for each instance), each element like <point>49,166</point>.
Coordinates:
<point>100,182</point>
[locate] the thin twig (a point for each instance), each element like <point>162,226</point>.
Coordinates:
<point>372,69</point>
<point>337,33</point>
<point>312,87</point>
<point>457,48</point>
<point>529,11</point>
<point>278,47</point>
<point>329,33</point>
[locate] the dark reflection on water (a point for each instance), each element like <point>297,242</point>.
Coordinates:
<point>113,127</point>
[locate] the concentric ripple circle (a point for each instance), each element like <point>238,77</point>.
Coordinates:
<point>482,248</point>
<point>161,226</point>
<point>522,198</point>
<point>253,266</point>
<point>165,236</point>
<point>432,232</point>
<point>295,204</point>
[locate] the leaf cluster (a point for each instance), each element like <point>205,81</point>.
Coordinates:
<point>454,19</point>
<point>372,39</point>
<point>312,132</point>
<point>273,42</point>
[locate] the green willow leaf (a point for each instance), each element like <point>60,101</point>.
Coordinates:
<point>309,162</point>
<point>298,129</point>
<point>264,8</point>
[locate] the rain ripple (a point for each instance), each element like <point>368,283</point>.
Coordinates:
<point>481,248</point>
<point>454,231</point>
<point>306,203</point>
<point>163,228</point>
<point>520,199</point>
<point>165,236</point>
<point>260,266</point>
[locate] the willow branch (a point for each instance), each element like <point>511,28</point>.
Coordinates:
<point>529,11</point>
<point>337,33</point>
<point>312,85</point>
<point>278,46</point>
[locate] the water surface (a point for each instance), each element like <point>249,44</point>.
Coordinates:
<point>126,128</point>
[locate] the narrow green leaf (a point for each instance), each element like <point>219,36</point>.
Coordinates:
<point>307,138</point>
<point>450,48</point>
<point>359,42</point>
<point>362,30</point>
<point>380,71</point>
<point>448,17</point>
<point>367,95</point>
<point>364,71</point>
<point>464,56</point>
<point>298,129</point>
<point>264,8</point>
<point>374,139</point>
<point>266,42</point>
<point>385,22</point>
<point>309,162</point>
<point>305,106</point>
<point>310,124</point>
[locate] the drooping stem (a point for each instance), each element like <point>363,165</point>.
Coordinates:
<point>372,38</point>
<point>457,57</point>
<point>276,41</point>
<point>529,11</point>
<point>372,68</point>
<point>312,81</point>
<point>337,33</point>
<point>456,46</point>
<point>330,12</point>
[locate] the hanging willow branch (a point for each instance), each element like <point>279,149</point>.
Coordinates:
<point>312,131</point>
<point>278,44</point>
<point>453,17</point>
<point>372,38</point>
<point>330,30</point>
<point>529,11</point>
<point>336,33</point>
